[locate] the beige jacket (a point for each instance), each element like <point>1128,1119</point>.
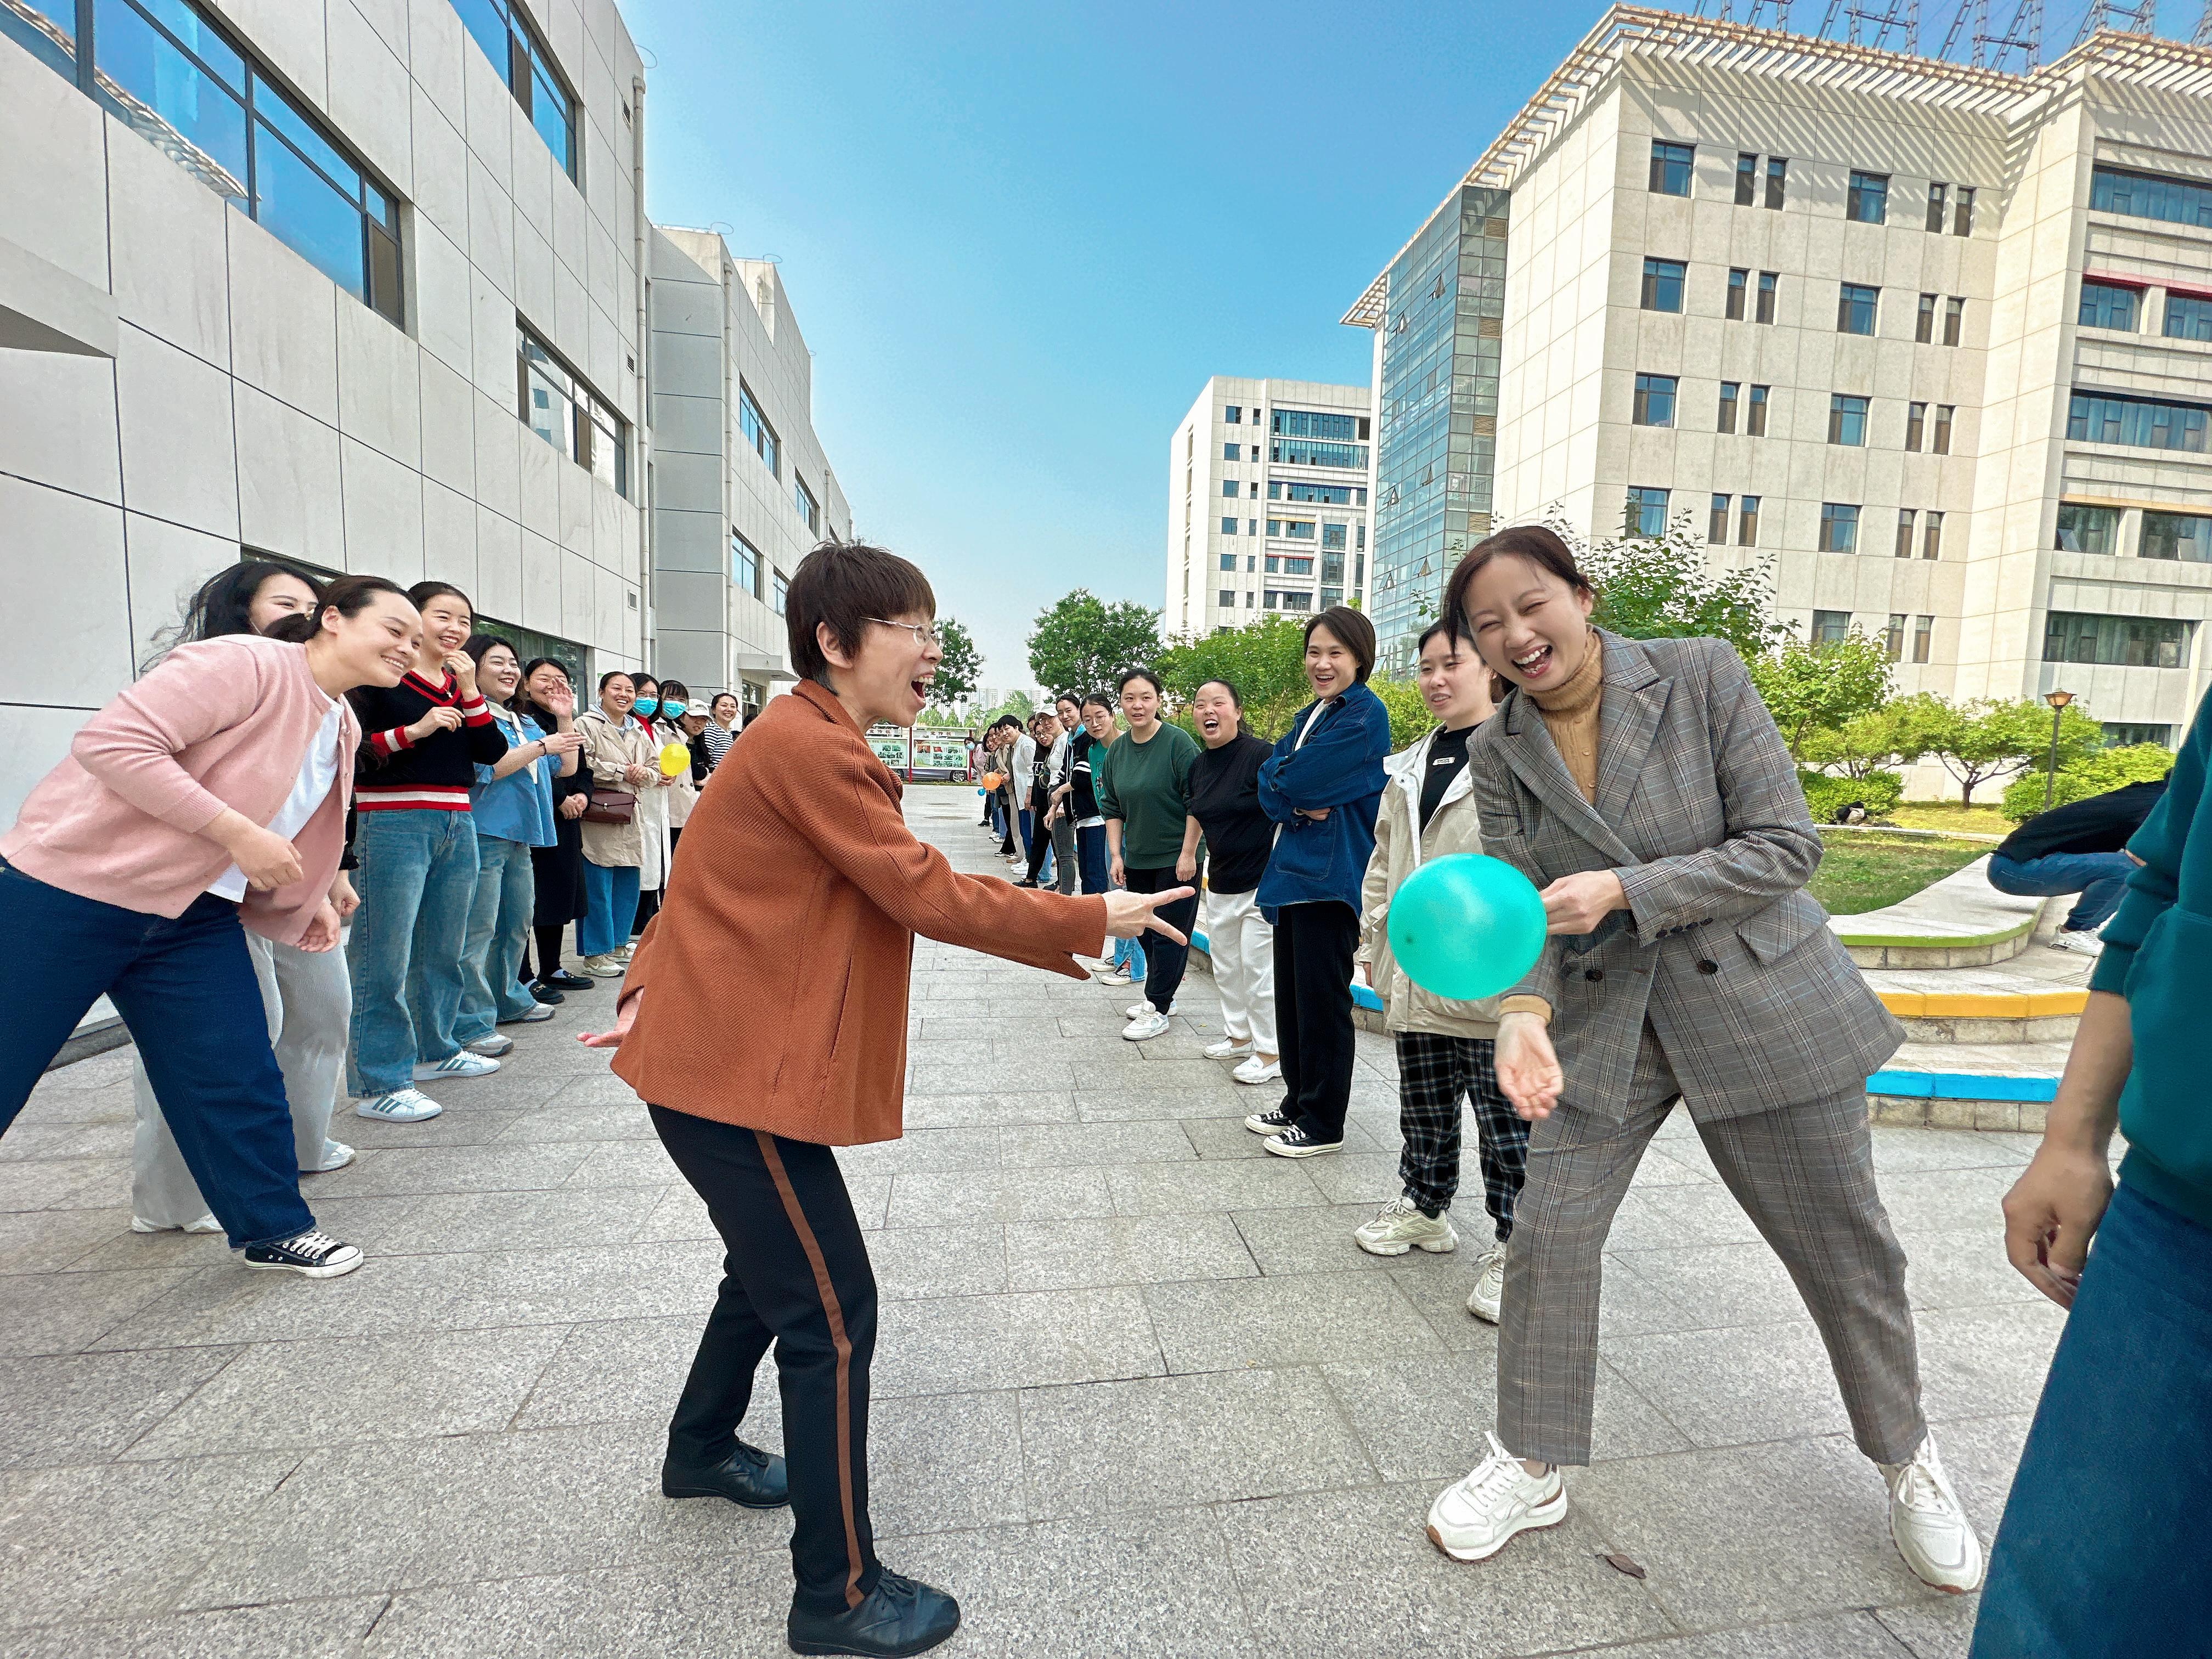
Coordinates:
<point>1400,851</point>
<point>607,752</point>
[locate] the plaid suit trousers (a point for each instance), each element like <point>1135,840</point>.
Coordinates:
<point>1435,1072</point>
<point>1803,1174</point>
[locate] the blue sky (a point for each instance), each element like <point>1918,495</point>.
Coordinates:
<point>1019,238</point>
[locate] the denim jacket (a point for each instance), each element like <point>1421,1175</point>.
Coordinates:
<point>1338,766</point>
<point>518,807</point>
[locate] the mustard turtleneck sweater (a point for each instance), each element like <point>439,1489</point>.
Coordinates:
<point>1570,715</point>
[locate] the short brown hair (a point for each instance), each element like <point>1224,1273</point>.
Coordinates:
<point>844,584</point>
<point>1353,630</point>
<point>1541,547</point>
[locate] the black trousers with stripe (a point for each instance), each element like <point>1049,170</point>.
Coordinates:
<point>1314,945</point>
<point>796,1273</point>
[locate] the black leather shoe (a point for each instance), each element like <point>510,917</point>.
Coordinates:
<point>748,1476</point>
<point>900,1616</point>
<point>548,995</point>
<point>562,980</point>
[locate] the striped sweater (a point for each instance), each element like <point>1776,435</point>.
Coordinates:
<point>398,772</point>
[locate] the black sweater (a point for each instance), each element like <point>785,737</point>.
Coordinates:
<point>1225,799</point>
<point>2101,824</point>
<point>395,772</point>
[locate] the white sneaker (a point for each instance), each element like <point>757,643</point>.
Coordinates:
<point>1929,1525</point>
<point>400,1106</point>
<point>1475,1518</point>
<point>607,965</point>
<point>206,1224</point>
<point>537,1011</point>
<point>1227,1048</point>
<point>493,1045</point>
<point>1400,1226</point>
<point>1256,1070</point>
<point>1489,1284</point>
<point>335,1156</point>
<point>459,1063</point>
<point>621,952</point>
<point>1150,1024</point>
<point>1115,976</point>
<point>1139,1010</point>
<point>2082,943</point>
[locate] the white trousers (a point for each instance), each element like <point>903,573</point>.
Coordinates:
<point>309,998</point>
<point>1242,946</point>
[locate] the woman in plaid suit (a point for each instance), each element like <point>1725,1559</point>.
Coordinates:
<point>1643,786</point>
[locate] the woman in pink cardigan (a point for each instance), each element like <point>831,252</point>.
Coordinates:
<point>210,794</point>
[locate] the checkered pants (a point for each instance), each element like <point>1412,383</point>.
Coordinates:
<point>1433,1072</point>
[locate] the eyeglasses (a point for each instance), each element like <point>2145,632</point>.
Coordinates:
<point>925,634</point>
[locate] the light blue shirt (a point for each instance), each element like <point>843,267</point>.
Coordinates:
<point>518,807</point>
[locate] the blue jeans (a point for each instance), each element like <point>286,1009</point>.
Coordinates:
<point>499,930</point>
<point>416,880</point>
<point>612,892</point>
<point>2101,1550</point>
<point>186,989</point>
<point>2099,878</point>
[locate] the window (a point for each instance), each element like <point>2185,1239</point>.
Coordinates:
<point>1670,168</point>
<point>1768,283</point>
<point>1854,308</point>
<point>2182,536</point>
<point>1962,221</point>
<point>1274,526</point>
<point>1663,284</point>
<point>1932,537</point>
<point>1916,425</point>
<point>754,427</point>
<point>1233,415</point>
<point>1778,180</point>
<point>1251,564</point>
<point>1232,451</point>
<point>1654,400</point>
<point>1754,423</point>
<point>1315,454</point>
<point>744,564</point>
<point>1647,512</point>
<point>2149,196</point>
<point>2188,318</point>
<point>1938,203</point>
<point>1840,528</point>
<point>1729,389</point>
<point>2089,528</point>
<point>2122,736</point>
<point>1867,200</point>
<point>1225,598</point>
<point>1313,423</point>
<point>1229,528</point>
<point>810,513</point>
<point>1326,494</point>
<point>2100,418</point>
<point>1332,536</point>
<point>1847,418</point>
<point>2107,304</point>
<point>1923,326</point>
<point>1955,320</point>
<point>1747,179</point>
<point>169,72</point>
<point>1907,518</point>
<point>1298,530</point>
<point>1230,488</point>
<point>1717,524</point>
<point>1251,527</point>
<point>1747,522</point>
<point>1940,443</point>
<point>1739,281</point>
<point>1924,634</point>
<point>1294,567</point>
<point>1830,627</point>
<point>565,412</point>
<point>2120,642</point>
<point>1226,561</point>
<point>779,586</point>
<point>1892,637</point>
<point>527,68</point>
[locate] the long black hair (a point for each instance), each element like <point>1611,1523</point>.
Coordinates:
<point>525,701</point>
<point>477,646</point>
<point>223,604</point>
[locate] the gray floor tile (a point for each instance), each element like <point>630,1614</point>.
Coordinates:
<point>297,1629</point>
<point>982,1110</point>
<point>1695,1288</point>
<point>47,1241</point>
<point>690,1609</point>
<point>87,1408</point>
<point>1203,1185</point>
<point>1356,1177</point>
<point>1225,1325</point>
<point>1939,1629</point>
<point>64,1183</point>
<point>1091,1144</point>
<point>946,1462</point>
<point>488,1168</point>
<point>1846,1636</point>
<point>1961,1270</point>
<point>623,1121</point>
<point>1978,1361</point>
<point>922,1151</point>
<point>67,1313</point>
<point>926,1262</point>
<point>985,1196</point>
<point>1317,1241</point>
<point>1051,1255</point>
<point>623,1371</point>
<point>622,1163</point>
<point>967,1343</point>
<point>447,1222</point>
<point>1724,1387</point>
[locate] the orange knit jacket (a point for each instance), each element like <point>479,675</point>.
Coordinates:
<point>773,981</point>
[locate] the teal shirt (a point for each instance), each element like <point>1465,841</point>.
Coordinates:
<point>2158,954</point>
<point>1147,787</point>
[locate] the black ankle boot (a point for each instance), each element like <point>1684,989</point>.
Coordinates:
<point>747,1475</point>
<point>899,1616</point>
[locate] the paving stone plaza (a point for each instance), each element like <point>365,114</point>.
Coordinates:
<point>1136,1391</point>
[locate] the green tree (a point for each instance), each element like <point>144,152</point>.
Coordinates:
<point>960,670</point>
<point>1989,739</point>
<point>1081,643</point>
<point>1264,660</point>
<point>1410,716</point>
<point>1872,742</point>
<point>2091,775</point>
<point>1662,587</point>
<point>1817,689</point>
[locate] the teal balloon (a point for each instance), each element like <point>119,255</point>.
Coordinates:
<point>1466,926</point>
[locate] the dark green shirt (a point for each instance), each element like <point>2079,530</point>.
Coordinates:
<point>1147,787</point>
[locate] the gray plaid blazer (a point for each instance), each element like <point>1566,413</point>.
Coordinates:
<point>1752,997</point>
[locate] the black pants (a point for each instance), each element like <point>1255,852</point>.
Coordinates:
<point>1435,1073</point>
<point>1314,945</point>
<point>797,1274</point>
<point>1164,960</point>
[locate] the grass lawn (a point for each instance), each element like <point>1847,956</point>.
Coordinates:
<point>1861,873</point>
<point>1978,819</point>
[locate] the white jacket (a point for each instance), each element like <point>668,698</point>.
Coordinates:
<point>1399,849</point>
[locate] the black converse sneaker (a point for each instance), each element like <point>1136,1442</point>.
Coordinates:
<point>1295,1142</point>
<point>317,1255</point>
<point>1273,1122</point>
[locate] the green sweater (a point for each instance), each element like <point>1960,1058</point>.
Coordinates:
<point>1147,787</point>
<point>2158,954</point>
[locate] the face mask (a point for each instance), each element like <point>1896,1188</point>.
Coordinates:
<point>674,710</point>
<point>645,707</point>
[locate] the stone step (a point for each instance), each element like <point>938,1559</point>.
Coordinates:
<point>1960,921</point>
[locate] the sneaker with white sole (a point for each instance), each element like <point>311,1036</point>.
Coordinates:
<point>2081,942</point>
<point>1150,1024</point>
<point>493,1046</point>
<point>1116,976</point>
<point>1227,1048</point>
<point>607,965</point>
<point>400,1106</point>
<point>1489,1291</point>
<point>1256,1070</point>
<point>1929,1525</point>
<point>1400,1226</point>
<point>335,1156</point>
<point>1296,1142</point>
<point>1139,1010</point>
<point>311,1255</point>
<point>1273,1122</point>
<point>537,1011</point>
<point>206,1224</point>
<point>1474,1519</point>
<point>459,1063</point>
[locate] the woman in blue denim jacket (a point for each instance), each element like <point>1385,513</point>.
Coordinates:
<point>1323,785</point>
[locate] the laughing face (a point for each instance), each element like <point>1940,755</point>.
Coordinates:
<point>1215,710</point>
<point>1331,668</point>
<point>1529,625</point>
<point>888,678</point>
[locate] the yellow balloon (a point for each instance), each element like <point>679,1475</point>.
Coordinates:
<point>675,759</point>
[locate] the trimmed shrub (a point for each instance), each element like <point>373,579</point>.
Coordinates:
<point>1829,797</point>
<point>2098,774</point>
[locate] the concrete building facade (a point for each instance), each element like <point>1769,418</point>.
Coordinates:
<point>1269,484</point>
<point>741,490</point>
<point>1935,340</point>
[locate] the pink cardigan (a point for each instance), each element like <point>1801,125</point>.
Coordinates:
<point>224,722</point>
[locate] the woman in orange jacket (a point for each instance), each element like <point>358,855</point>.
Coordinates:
<point>804,891</point>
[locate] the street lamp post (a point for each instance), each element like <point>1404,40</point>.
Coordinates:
<point>2057,699</point>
